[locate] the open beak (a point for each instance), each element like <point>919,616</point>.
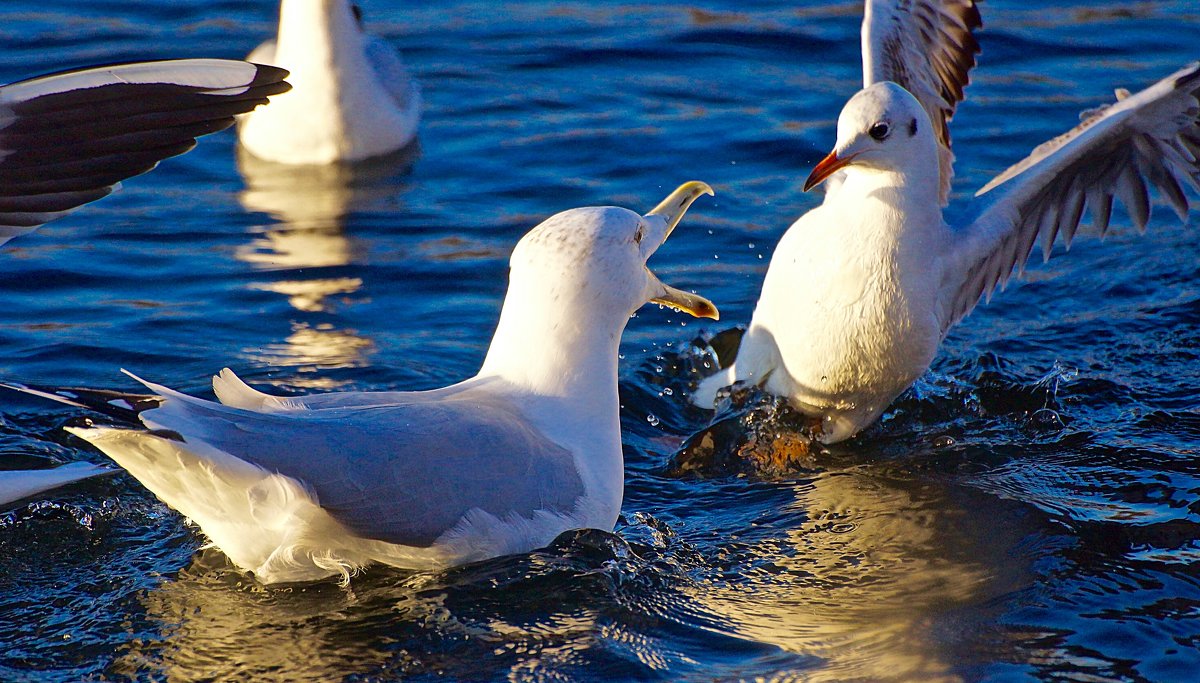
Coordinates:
<point>671,210</point>
<point>828,166</point>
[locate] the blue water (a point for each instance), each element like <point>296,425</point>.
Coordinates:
<point>1030,511</point>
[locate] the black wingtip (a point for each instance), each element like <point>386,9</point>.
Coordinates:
<point>270,79</point>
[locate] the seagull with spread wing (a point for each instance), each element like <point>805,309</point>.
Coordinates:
<point>352,100</point>
<point>295,489</point>
<point>69,138</point>
<point>862,289</point>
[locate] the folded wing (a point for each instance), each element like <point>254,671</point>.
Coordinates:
<point>402,474</point>
<point>67,139</point>
<point>1151,139</point>
<point>928,48</point>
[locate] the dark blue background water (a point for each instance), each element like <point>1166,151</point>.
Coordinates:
<point>1031,510</point>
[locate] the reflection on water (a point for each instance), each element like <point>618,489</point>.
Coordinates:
<point>310,204</point>
<point>387,623</point>
<point>313,348</point>
<point>864,577</point>
<point>871,574</point>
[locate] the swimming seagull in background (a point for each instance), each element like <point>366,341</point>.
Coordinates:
<point>861,290</point>
<point>300,488</point>
<point>69,138</point>
<point>352,97</point>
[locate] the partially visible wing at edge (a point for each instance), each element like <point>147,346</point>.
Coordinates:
<point>67,139</point>
<point>928,48</point>
<point>1148,139</point>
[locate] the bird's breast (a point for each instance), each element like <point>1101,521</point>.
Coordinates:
<point>851,310</point>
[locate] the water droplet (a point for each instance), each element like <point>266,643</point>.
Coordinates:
<point>668,391</point>
<point>652,419</point>
<point>751,245</point>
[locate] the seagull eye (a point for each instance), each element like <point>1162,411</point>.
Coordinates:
<point>880,131</point>
<point>637,236</point>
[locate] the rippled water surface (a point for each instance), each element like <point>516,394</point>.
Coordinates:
<point>1029,511</point>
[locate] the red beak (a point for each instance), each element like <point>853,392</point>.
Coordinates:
<point>828,166</point>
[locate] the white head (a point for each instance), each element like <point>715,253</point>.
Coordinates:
<point>882,128</point>
<point>574,281</point>
<point>592,261</point>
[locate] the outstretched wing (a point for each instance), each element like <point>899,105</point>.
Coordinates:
<point>928,48</point>
<point>399,473</point>
<point>1151,138</point>
<point>67,139</point>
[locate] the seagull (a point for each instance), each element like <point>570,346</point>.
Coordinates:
<point>69,138</point>
<point>301,488</point>
<point>861,290</point>
<point>19,484</point>
<point>352,99</point>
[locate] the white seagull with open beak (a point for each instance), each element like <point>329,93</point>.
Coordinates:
<point>295,489</point>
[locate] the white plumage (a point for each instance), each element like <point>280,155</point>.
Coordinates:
<point>352,98</point>
<point>861,290</point>
<point>300,488</point>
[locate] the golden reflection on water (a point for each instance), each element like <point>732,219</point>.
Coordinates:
<point>870,583</point>
<point>214,625</point>
<point>310,205</point>
<point>316,347</point>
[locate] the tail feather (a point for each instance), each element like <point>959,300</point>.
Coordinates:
<point>233,392</point>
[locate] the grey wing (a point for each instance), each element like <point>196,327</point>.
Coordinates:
<point>1150,138</point>
<point>928,48</point>
<point>67,139</point>
<point>392,73</point>
<point>402,474</point>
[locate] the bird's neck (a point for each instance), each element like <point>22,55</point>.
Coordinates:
<point>895,206</point>
<point>318,37</point>
<point>554,348</point>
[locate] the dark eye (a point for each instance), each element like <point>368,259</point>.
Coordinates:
<point>879,131</point>
<point>637,236</point>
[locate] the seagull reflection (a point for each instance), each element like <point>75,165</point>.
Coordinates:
<point>877,575</point>
<point>310,204</point>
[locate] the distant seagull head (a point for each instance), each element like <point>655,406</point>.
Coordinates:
<point>882,128</point>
